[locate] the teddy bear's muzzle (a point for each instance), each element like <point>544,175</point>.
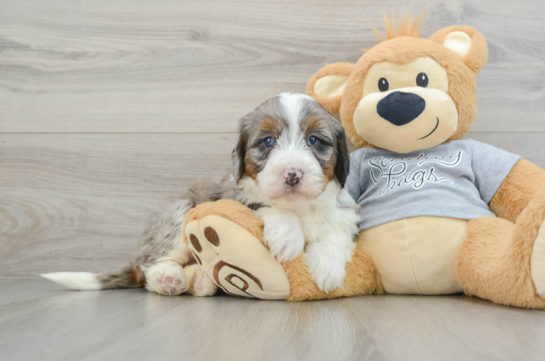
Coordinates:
<point>401,108</point>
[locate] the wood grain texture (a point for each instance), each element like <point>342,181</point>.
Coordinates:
<point>197,66</point>
<point>79,202</point>
<point>39,318</point>
<point>107,107</point>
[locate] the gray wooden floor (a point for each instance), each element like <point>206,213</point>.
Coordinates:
<point>109,106</point>
<point>40,321</point>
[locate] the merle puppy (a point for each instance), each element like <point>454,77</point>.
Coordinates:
<point>289,165</point>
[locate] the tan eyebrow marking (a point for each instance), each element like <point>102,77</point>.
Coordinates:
<point>312,124</point>
<point>269,125</point>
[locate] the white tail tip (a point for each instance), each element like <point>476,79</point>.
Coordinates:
<point>83,281</point>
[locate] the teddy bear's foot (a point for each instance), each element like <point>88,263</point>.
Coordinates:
<point>504,261</point>
<point>230,255</point>
<point>531,226</point>
<point>538,262</point>
<point>166,278</point>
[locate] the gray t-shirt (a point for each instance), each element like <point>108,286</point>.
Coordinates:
<point>456,179</point>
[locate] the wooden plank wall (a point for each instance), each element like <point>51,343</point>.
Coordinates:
<point>107,107</point>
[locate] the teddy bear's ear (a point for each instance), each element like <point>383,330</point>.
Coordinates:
<point>327,85</point>
<point>466,42</point>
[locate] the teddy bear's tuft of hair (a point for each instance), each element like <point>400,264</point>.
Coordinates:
<point>405,25</point>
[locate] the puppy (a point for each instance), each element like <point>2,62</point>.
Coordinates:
<point>290,165</point>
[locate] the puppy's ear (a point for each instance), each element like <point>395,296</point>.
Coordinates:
<point>342,164</point>
<point>237,157</point>
<point>466,42</point>
<point>327,85</point>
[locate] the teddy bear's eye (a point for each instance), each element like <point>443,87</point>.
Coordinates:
<point>422,80</point>
<point>383,84</point>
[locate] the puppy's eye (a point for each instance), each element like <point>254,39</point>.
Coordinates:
<point>383,84</point>
<point>422,80</point>
<point>269,142</point>
<point>312,140</point>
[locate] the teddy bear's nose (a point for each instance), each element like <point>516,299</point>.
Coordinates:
<point>401,108</point>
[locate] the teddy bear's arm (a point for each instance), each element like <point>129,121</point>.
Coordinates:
<point>517,190</point>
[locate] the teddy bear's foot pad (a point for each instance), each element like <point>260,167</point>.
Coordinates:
<point>538,262</point>
<point>235,259</point>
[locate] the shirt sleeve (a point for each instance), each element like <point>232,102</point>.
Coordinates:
<point>353,182</point>
<point>491,166</point>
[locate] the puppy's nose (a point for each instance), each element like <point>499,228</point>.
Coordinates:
<point>401,108</point>
<point>292,176</point>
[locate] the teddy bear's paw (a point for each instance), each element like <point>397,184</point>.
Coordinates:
<point>235,260</point>
<point>538,262</point>
<point>284,237</point>
<point>326,266</point>
<point>200,284</point>
<point>166,278</point>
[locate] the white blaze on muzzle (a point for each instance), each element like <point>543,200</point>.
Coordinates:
<point>271,179</point>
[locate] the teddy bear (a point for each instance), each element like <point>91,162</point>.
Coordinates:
<point>439,214</point>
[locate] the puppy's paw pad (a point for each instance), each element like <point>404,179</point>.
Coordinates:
<point>166,279</point>
<point>202,285</point>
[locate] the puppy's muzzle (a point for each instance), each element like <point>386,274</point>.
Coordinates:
<point>292,177</point>
<point>401,108</point>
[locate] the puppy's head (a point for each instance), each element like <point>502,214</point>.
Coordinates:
<point>291,147</point>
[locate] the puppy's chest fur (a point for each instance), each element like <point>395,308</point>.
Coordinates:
<point>334,211</point>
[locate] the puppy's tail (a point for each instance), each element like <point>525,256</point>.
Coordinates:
<point>86,281</point>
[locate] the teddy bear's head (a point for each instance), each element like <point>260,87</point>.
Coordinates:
<point>406,93</point>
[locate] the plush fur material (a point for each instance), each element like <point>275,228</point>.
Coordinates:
<point>517,190</point>
<point>402,250</point>
<point>227,240</point>
<point>492,258</point>
<point>362,278</point>
<point>332,104</point>
<point>361,275</point>
<point>501,258</point>
<point>494,262</point>
<point>290,165</point>
<point>230,210</point>
<point>462,84</point>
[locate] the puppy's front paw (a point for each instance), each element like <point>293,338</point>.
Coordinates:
<point>326,266</point>
<point>284,237</point>
<point>166,278</point>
